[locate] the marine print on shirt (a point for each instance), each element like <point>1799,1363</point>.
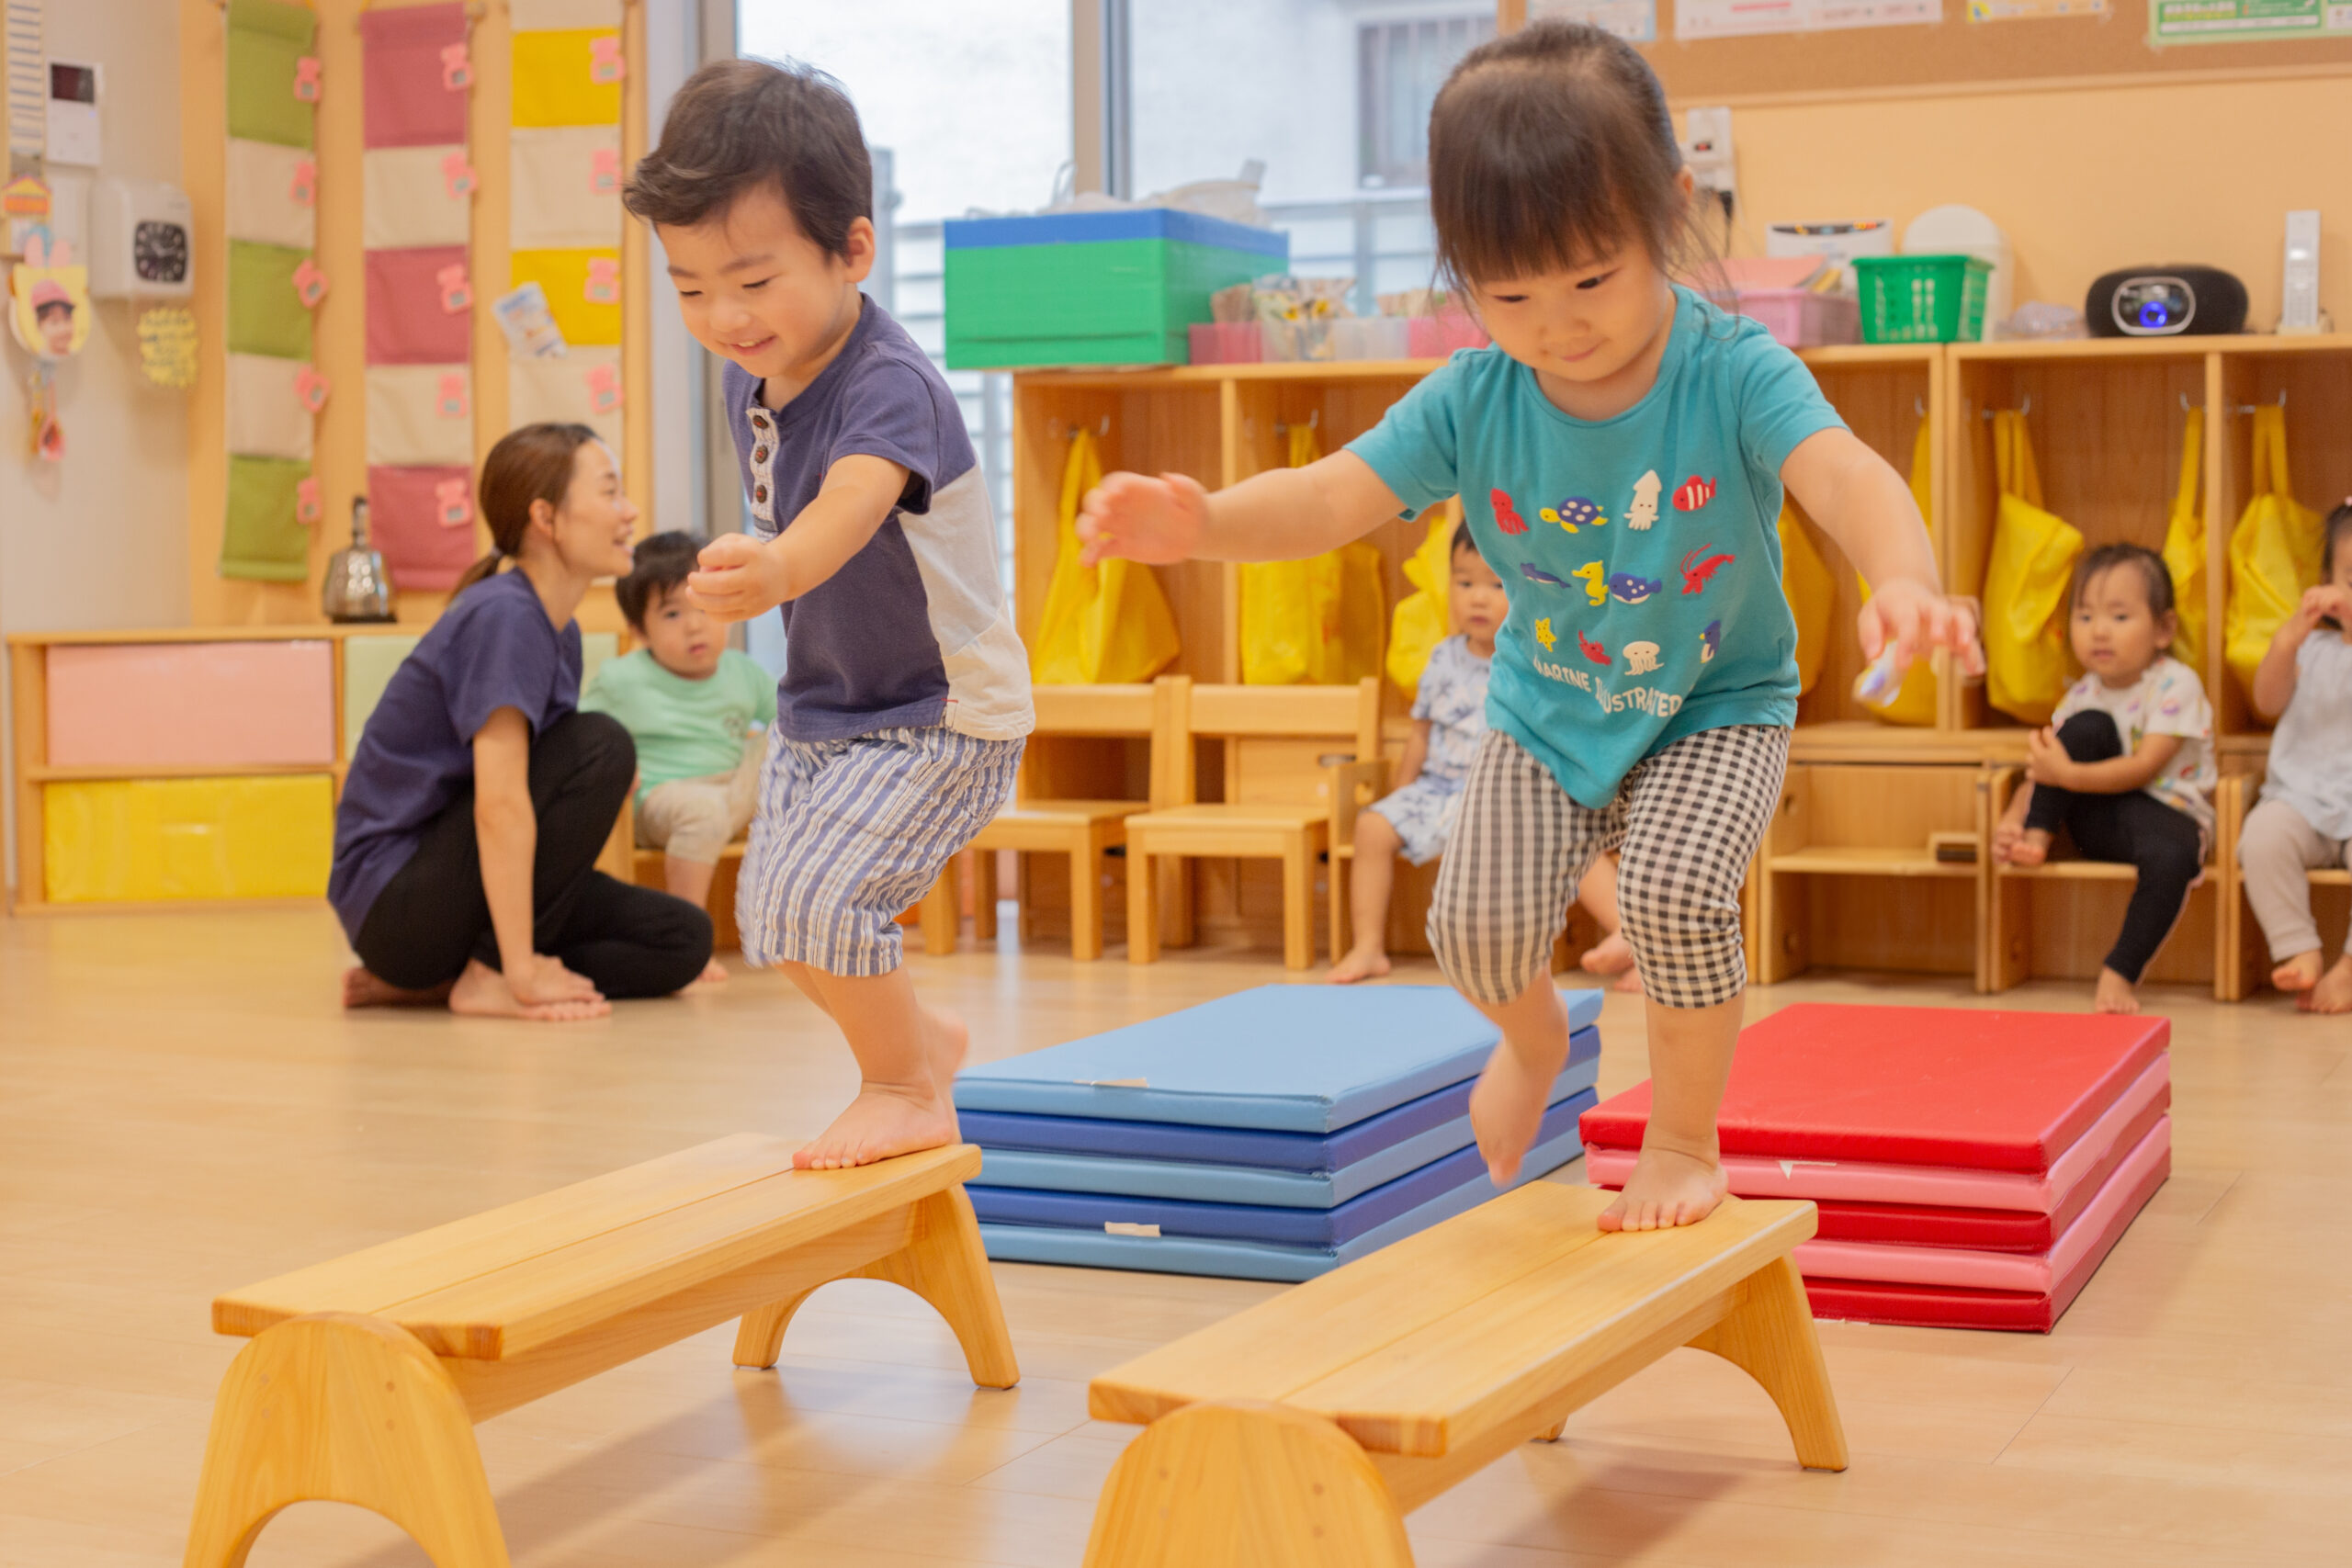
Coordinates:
<point>1698,566</point>
<point>1644,512</point>
<point>1507,518</point>
<point>1574,514</point>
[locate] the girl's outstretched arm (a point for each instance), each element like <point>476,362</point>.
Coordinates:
<point>1863,504</point>
<point>1281,515</point>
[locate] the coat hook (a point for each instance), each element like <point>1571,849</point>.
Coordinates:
<point>1918,406</point>
<point>2023,410</point>
<point>2249,408</point>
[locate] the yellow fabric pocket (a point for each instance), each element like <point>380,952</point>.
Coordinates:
<point>555,79</point>
<point>584,290</point>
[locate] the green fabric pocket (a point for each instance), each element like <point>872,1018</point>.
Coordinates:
<point>266,40</point>
<point>266,314</point>
<point>261,538</point>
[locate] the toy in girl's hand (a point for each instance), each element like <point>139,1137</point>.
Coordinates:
<point>1877,683</point>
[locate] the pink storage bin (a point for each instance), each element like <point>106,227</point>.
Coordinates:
<point>1227,343</point>
<point>1435,337</point>
<point>182,704</point>
<point>1800,318</point>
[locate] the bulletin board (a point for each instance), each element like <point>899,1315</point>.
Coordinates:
<point>1953,54</point>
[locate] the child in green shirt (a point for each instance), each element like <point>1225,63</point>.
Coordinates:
<point>698,712</point>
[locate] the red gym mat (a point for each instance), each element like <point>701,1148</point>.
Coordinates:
<point>1983,1090</point>
<point>1957,1307</point>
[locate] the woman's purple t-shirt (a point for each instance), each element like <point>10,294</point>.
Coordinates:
<point>494,648</point>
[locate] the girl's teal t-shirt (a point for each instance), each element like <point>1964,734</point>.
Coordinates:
<point>1641,553</point>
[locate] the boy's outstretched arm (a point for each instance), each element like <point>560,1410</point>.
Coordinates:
<point>742,576</point>
<point>1281,515</point>
<point>1863,504</point>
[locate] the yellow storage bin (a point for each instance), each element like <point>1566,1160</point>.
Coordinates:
<point>142,841</point>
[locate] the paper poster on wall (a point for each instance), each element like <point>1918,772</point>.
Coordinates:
<point>1635,22</point>
<point>2032,11</point>
<point>1695,19</point>
<point>2246,21</point>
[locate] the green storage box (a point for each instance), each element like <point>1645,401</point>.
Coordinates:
<point>1092,287</point>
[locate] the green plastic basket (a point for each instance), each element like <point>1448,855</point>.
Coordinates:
<point>1928,298</point>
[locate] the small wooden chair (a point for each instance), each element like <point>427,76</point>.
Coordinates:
<point>1280,791</point>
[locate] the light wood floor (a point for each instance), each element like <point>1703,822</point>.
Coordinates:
<point>182,1109</point>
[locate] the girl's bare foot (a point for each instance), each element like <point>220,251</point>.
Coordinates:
<point>1361,963</point>
<point>1611,955</point>
<point>483,992</point>
<point>1630,982</point>
<point>2334,991</point>
<point>2031,847</point>
<point>713,973</point>
<point>1507,1107</point>
<point>2114,994</point>
<point>2299,972</point>
<point>1668,1188</point>
<point>362,990</point>
<point>882,1121</point>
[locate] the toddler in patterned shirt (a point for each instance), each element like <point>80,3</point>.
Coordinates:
<point>1449,720</point>
<point>2127,762</point>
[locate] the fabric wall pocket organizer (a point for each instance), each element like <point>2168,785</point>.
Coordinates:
<point>265,414</point>
<point>556,82</point>
<point>565,392</point>
<point>405,507</point>
<point>262,179</point>
<point>308,508</point>
<point>265,311</point>
<point>409,200</point>
<point>311,389</point>
<point>408,419</point>
<point>406,324</point>
<point>410,102</point>
<point>457,70</point>
<point>565,193</point>
<point>263,537</point>
<point>457,294</point>
<point>453,503</point>
<point>555,15</point>
<point>266,46</point>
<point>565,277</point>
<point>605,63</point>
<point>310,283</point>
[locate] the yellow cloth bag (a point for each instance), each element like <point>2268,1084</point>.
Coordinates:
<point>1812,594</point>
<point>1914,702</point>
<point>1424,617</point>
<point>2275,552</point>
<point>1316,621</point>
<point>2026,584</point>
<point>2184,549</point>
<point>1102,625</point>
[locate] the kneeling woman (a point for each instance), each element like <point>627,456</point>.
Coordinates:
<point>465,844</point>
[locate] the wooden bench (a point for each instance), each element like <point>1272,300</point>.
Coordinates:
<point>1301,1431</point>
<point>365,1375</point>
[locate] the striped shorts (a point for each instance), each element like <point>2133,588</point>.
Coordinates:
<point>849,834</point>
<point>1687,821</point>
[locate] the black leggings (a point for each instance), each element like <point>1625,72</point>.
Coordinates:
<point>630,942</point>
<point>2134,828</point>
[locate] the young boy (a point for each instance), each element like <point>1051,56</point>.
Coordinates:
<point>905,698</point>
<point>698,712</point>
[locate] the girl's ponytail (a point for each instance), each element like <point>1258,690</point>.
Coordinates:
<point>533,463</point>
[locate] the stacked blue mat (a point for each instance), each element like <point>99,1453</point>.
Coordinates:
<point>1271,1134</point>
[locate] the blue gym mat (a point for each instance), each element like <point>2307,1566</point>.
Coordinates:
<point>1323,1188</point>
<point>1276,1058</point>
<point>1257,1222</point>
<point>1249,1259</point>
<point>1126,1141</point>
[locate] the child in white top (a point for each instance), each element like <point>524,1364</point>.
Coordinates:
<point>2128,761</point>
<point>2304,819</point>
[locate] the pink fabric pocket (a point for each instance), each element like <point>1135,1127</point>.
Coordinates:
<point>405,507</point>
<point>406,322</point>
<point>407,102</point>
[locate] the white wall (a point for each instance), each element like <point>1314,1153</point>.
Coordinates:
<point>101,539</point>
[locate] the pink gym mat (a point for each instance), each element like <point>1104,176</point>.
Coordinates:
<point>1960,1306</point>
<point>1868,1182</point>
<point>182,704</point>
<point>1983,1090</point>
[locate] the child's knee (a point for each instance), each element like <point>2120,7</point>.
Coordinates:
<point>1375,834</point>
<point>2090,736</point>
<point>1681,900</point>
<point>1489,954</point>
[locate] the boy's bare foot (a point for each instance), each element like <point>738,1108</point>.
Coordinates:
<point>713,973</point>
<point>879,1123</point>
<point>2031,847</point>
<point>1360,964</point>
<point>1668,1188</point>
<point>362,990</point>
<point>1507,1107</point>
<point>483,992</point>
<point>1611,955</point>
<point>1630,982</point>
<point>2334,991</point>
<point>2114,994</point>
<point>2299,972</point>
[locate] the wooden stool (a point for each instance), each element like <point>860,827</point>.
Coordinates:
<point>1299,1433</point>
<point>366,1375</point>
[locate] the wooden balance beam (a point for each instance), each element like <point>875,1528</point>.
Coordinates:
<point>366,1375</point>
<point>1299,1433</point>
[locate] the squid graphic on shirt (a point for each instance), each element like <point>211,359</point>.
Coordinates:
<point>1644,512</point>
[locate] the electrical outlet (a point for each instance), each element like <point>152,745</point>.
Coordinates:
<point>1707,150</point>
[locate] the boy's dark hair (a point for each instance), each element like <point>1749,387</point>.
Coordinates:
<point>2335,534</point>
<point>740,124</point>
<point>663,561</point>
<point>1463,540</point>
<point>1551,148</point>
<point>2154,573</point>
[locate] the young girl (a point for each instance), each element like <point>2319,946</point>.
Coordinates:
<point>2305,816</point>
<point>465,847</point>
<point>1621,451</point>
<point>2127,762</point>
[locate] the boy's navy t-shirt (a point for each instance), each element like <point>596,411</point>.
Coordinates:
<point>914,631</point>
<point>494,648</point>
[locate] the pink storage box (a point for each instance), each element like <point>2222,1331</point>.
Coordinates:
<point>1435,337</point>
<point>1228,342</point>
<point>184,704</point>
<point>1800,318</point>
